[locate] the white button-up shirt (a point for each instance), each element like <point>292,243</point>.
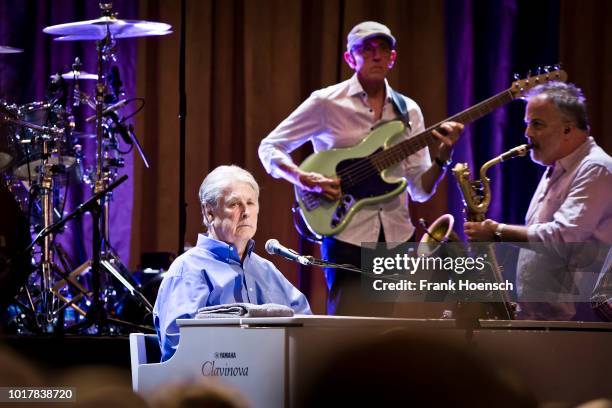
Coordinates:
<point>572,204</point>
<point>340,116</point>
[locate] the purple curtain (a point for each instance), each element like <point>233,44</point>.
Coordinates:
<point>24,79</point>
<point>486,43</point>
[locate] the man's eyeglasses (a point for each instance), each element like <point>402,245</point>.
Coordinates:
<point>368,49</point>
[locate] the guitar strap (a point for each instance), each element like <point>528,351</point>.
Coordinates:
<point>399,105</point>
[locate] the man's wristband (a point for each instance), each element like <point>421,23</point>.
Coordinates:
<point>443,164</point>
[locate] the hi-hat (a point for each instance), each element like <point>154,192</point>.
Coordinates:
<point>97,29</point>
<point>77,74</point>
<point>9,50</point>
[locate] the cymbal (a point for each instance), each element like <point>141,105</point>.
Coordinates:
<point>80,75</point>
<point>87,37</point>
<point>9,50</point>
<point>97,29</point>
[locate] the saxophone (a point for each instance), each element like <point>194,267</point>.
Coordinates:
<point>477,193</point>
<point>476,198</point>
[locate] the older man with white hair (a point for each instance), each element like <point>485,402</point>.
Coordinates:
<point>222,268</point>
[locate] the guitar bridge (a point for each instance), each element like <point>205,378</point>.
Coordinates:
<point>310,200</point>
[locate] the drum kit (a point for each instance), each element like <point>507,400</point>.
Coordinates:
<point>40,149</point>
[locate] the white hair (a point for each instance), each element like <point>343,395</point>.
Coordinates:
<point>217,180</point>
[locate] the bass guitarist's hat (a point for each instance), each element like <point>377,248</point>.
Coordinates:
<point>368,29</point>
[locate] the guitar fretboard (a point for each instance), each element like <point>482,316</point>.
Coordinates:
<point>395,154</point>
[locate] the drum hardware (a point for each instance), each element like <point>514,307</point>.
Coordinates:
<point>42,148</point>
<point>107,26</point>
<point>9,50</point>
<point>76,75</point>
<point>95,315</point>
<point>108,160</point>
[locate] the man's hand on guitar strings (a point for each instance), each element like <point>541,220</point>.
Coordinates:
<point>318,183</point>
<point>448,135</point>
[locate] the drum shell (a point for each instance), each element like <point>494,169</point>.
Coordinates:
<point>7,136</point>
<point>30,148</point>
<point>14,237</point>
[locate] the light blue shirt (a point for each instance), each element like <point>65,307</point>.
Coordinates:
<point>211,274</point>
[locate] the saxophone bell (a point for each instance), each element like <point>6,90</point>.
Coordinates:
<point>438,233</point>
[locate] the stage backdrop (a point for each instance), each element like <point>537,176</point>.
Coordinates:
<point>250,63</point>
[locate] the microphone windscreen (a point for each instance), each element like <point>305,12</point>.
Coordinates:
<point>271,246</point>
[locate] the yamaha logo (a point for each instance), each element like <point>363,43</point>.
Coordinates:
<point>225,354</point>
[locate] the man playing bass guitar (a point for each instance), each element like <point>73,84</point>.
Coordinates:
<point>341,116</point>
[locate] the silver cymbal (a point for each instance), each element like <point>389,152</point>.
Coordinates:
<point>80,75</point>
<point>86,37</point>
<point>97,29</point>
<point>9,50</point>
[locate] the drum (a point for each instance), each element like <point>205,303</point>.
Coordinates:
<point>14,237</point>
<point>27,164</point>
<point>7,131</point>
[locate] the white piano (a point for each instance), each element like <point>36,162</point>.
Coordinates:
<point>271,360</point>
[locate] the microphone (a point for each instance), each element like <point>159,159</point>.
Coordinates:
<point>115,82</point>
<point>425,227</point>
<point>273,247</point>
<point>110,109</point>
<point>120,127</point>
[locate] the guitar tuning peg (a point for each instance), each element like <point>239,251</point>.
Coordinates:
<point>538,71</point>
<point>529,73</point>
<point>515,76</point>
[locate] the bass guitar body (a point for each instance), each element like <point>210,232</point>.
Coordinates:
<point>362,182</point>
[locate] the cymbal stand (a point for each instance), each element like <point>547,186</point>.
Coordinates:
<point>49,296</point>
<point>103,256</point>
<point>46,191</point>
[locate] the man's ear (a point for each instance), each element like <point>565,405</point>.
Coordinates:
<point>350,60</point>
<point>392,59</point>
<point>207,212</point>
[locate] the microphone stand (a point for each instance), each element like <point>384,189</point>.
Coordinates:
<point>347,267</point>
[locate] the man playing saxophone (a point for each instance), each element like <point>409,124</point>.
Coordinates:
<point>573,201</point>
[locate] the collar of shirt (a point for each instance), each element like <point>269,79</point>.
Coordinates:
<point>221,250</point>
<point>355,88</point>
<point>572,160</point>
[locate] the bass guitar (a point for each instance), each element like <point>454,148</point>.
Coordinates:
<point>363,169</point>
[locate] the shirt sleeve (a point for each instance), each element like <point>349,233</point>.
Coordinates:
<point>276,288</point>
<point>180,296</point>
<point>418,163</point>
<point>298,301</point>
<point>582,210</point>
<point>307,120</point>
